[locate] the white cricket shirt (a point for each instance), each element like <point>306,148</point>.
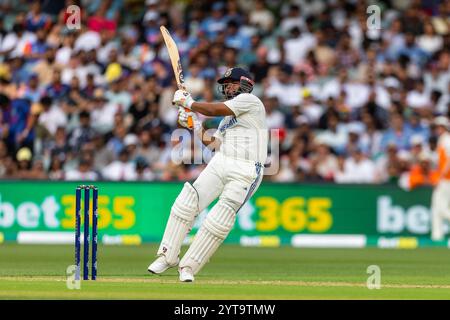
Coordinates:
<point>244,136</point>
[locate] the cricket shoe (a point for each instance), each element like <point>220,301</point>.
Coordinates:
<point>160,265</point>
<point>186,275</point>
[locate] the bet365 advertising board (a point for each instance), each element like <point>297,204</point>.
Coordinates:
<point>303,215</point>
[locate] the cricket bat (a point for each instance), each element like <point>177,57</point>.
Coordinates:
<point>176,63</point>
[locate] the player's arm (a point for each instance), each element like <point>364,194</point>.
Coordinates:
<point>183,99</point>
<point>212,109</point>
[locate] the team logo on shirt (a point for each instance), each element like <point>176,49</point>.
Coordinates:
<point>232,122</point>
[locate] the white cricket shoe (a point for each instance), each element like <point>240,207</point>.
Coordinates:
<point>186,275</point>
<point>160,265</point>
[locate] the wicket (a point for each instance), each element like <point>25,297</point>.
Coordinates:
<point>86,235</point>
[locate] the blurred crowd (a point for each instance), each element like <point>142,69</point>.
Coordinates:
<point>354,101</point>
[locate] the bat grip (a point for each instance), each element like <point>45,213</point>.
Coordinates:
<point>190,121</point>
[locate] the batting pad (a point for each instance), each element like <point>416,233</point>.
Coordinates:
<point>211,234</point>
<point>184,210</point>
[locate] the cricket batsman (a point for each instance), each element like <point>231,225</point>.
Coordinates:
<point>233,174</point>
<point>440,201</point>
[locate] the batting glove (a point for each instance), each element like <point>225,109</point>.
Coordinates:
<point>182,98</point>
<point>183,116</point>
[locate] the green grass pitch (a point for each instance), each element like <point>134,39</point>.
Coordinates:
<point>39,272</point>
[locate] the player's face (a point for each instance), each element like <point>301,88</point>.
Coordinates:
<point>231,88</point>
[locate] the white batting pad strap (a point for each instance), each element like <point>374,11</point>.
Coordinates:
<point>214,230</point>
<point>183,213</point>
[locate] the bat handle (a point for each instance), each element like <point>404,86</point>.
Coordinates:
<point>190,121</point>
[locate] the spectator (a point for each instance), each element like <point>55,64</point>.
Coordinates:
<point>323,75</point>
<point>121,169</point>
<point>398,133</point>
<point>420,174</point>
<point>84,172</point>
<point>84,133</point>
<point>261,16</point>
<point>51,116</point>
<point>356,169</point>
<point>274,118</point>
<point>143,172</point>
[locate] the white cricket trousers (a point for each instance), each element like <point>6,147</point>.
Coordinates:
<point>440,209</point>
<point>234,181</point>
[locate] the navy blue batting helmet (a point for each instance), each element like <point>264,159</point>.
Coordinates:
<point>237,75</point>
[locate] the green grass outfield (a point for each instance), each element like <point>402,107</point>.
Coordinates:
<point>38,272</point>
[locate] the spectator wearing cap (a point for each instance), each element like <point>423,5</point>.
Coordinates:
<point>418,149</point>
<point>24,157</point>
<point>309,108</point>
<point>131,142</point>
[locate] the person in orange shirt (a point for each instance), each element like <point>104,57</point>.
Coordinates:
<point>440,201</point>
<point>421,174</point>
